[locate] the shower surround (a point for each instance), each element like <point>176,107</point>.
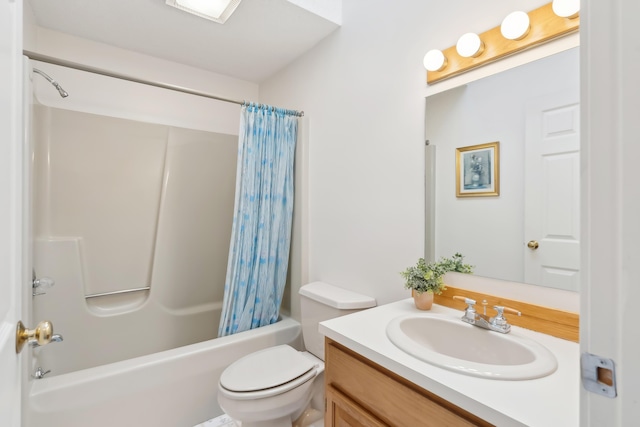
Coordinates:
<point>132,220</point>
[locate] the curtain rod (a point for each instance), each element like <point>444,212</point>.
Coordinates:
<point>76,66</point>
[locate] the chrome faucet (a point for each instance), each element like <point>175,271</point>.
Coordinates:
<point>497,323</point>
<point>38,284</point>
<point>40,373</point>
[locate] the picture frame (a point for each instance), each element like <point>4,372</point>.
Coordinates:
<point>478,170</point>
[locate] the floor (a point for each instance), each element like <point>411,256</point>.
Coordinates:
<point>226,421</point>
<point>221,421</point>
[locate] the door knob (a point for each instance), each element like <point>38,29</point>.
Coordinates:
<point>533,244</point>
<point>41,335</point>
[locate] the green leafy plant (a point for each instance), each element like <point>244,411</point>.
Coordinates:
<point>427,277</point>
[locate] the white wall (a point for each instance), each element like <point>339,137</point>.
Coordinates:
<point>362,90</point>
<point>88,52</point>
<point>108,96</point>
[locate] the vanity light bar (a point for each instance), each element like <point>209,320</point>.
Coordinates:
<point>545,26</point>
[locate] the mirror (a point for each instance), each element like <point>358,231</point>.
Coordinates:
<point>529,231</point>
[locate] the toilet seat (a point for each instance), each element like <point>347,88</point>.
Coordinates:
<point>265,373</point>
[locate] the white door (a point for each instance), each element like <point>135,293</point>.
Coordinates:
<point>552,191</point>
<point>10,207</point>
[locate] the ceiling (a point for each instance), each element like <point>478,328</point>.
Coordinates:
<point>260,38</point>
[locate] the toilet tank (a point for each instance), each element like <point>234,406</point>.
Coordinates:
<point>321,301</point>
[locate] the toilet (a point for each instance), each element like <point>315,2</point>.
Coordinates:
<point>281,386</point>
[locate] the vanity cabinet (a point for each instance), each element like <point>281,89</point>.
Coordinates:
<point>360,393</point>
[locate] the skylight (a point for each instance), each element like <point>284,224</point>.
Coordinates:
<point>215,10</point>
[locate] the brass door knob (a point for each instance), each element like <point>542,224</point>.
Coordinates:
<point>533,244</point>
<point>41,334</point>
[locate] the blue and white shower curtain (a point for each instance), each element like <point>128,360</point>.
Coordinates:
<point>261,233</point>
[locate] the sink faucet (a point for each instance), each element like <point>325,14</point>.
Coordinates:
<point>497,323</point>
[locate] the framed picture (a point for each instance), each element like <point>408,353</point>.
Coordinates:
<point>478,170</point>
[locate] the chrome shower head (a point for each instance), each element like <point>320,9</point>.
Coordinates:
<point>63,93</point>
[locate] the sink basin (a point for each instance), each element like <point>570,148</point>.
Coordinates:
<point>452,344</point>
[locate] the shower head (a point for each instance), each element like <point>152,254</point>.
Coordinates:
<point>63,93</point>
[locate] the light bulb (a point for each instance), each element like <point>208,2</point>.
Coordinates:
<point>435,60</point>
<point>566,8</point>
<point>515,26</point>
<point>469,45</point>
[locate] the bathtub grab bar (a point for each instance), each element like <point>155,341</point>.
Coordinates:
<point>125,291</point>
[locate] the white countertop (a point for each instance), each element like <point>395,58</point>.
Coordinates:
<point>543,402</point>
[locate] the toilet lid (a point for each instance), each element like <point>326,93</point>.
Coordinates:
<point>265,369</point>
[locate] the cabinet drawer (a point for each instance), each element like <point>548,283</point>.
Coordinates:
<point>344,412</point>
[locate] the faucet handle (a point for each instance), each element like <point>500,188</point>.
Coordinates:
<point>499,320</point>
<point>54,338</point>
<point>501,310</point>
<point>41,283</point>
<point>468,301</point>
<point>470,311</point>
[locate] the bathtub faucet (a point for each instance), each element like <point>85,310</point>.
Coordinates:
<point>40,373</point>
<point>54,338</point>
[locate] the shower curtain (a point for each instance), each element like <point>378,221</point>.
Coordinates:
<point>261,233</point>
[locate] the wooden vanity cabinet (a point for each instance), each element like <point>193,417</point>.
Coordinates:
<point>360,393</point>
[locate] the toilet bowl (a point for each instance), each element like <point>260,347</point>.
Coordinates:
<point>269,388</point>
<point>276,386</point>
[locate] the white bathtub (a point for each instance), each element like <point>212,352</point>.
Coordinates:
<point>173,388</point>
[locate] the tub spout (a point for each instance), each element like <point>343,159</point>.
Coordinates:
<point>40,373</point>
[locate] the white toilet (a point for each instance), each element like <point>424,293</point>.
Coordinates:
<point>279,385</point>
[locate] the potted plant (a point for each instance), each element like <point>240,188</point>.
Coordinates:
<point>425,279</point>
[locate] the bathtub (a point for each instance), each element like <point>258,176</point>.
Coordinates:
<point>172,388</point>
